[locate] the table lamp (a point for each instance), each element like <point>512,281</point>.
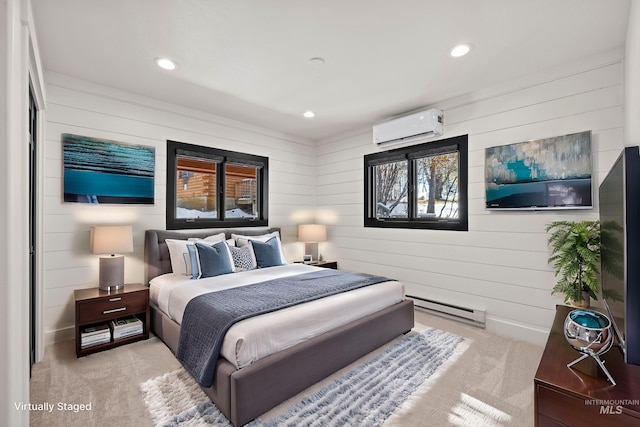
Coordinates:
<point>311,234</point>
<point>111,241</point>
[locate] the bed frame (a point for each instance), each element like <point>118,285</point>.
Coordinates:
<point>244,394</point>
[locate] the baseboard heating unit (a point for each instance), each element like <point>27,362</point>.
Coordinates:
<point>462,314</point>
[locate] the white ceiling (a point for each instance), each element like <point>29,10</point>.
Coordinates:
<point>249,59</point>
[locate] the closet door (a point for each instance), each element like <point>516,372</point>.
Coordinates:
<point>32,226</point>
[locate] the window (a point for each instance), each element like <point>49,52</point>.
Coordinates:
<point>209,187</point>
<point>423,186</point>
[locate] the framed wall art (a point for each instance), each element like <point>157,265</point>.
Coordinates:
<point>103,171</point>
<point>551,173</point>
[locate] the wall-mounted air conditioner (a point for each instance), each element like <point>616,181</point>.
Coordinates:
<point>423,124</point>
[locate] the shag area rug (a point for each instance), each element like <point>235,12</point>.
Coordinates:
<point>366,396</point>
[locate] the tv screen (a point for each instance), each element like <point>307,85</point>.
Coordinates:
<point>612,239</point>
<point>619,196</point>
<point>551,173</point>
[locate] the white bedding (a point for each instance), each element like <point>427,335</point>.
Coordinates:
<point>260,336</point>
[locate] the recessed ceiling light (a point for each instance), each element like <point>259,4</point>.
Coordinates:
<point>166,63</point>
<point>309,114</point>
<point>317,60</point>
<point>460,50</point>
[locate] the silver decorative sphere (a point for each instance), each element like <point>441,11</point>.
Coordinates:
<point>588,331</point>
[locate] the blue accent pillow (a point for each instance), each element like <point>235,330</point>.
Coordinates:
<point>267,253</point>
<point>214,260</point>
<point>193,258</point>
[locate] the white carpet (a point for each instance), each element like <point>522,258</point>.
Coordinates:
<point>367,395</point>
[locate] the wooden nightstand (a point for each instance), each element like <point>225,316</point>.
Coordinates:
<point>326,264</point>
<point>323,264</point>
<point>95,307</point>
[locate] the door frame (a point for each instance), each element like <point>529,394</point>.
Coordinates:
<point>37,87</point>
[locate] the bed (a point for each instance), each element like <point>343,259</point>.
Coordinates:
<point>245,386</point>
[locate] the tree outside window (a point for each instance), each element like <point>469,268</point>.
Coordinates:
<point>391,190</point>
<point>437,186</point>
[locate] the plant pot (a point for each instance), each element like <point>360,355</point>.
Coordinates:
<point>585,302</point>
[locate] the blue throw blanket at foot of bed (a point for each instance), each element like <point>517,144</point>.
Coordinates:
<point>208,317</point>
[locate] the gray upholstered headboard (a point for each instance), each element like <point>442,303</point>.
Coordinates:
<point>156,252</point>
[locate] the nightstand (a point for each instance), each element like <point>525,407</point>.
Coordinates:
<point>325,264</point>
<point>96,308</point>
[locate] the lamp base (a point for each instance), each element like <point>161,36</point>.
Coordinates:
<point>114,288</point>
<point>311,248</point>
<point>111,273</point>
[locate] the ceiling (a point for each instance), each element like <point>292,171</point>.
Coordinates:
<point>250,59</point>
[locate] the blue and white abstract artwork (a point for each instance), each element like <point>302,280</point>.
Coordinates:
<point>104,171</point>
<point>552,173</point>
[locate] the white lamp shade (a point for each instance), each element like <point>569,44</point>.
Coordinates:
<point>111,239</point>
<point>312,233</point>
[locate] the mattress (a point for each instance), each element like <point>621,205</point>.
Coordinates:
<point>259,336</point>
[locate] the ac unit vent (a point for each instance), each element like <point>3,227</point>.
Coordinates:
<point>423,124</point>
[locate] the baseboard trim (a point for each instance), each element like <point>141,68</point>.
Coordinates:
<point>59,335</point>
<point>524,332</point>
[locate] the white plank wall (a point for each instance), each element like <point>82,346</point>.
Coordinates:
<point>500,264</point>
<point>86,109</point>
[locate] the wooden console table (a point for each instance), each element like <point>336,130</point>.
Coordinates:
<point>581,395</point>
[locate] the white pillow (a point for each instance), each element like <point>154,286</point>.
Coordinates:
<point>244,241</point>
<point>177,251</point>
<point>213,239</point>
<point>179,254</point>
<point>243,258</point>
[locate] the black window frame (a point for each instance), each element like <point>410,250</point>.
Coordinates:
<point>457,143</point>
<point>222,157</point>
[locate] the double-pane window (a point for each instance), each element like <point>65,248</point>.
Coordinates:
<point>209,187</point>
<point>423,186</point>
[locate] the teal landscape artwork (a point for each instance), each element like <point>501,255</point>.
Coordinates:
<point>103,171</point>
<point>550,173</point>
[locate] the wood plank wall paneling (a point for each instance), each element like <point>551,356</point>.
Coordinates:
<point>86,109</point>
<point>500,264</point>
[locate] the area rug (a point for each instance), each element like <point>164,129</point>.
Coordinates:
<point>367,395</point>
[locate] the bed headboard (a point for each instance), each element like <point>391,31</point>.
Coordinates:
<point>156,252</point>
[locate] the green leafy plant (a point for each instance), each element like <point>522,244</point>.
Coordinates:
<point>575,256</point>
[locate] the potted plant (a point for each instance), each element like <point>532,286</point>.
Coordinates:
<point>575,256</point>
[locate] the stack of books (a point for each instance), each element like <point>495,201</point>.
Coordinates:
<point>95,335</point>
<point>123,328</point>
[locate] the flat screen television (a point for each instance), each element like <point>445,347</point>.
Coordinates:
<point>551,173</point>
<point>619,196</point>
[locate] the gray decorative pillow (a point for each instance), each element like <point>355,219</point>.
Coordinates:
<point>243,258</point>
